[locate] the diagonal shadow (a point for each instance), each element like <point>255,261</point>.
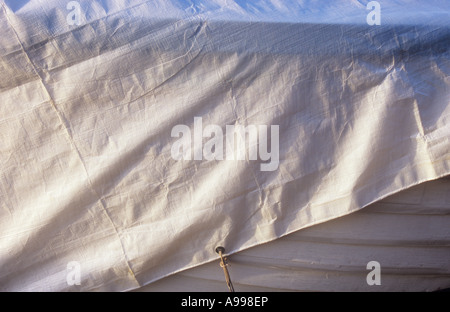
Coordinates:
<point>15,5</point>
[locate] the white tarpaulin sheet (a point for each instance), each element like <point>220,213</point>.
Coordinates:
<point>136,136</point>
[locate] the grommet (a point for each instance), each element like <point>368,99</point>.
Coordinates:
<point>220,249</point>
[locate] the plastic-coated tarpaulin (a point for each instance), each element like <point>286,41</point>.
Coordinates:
<point>93,195</point>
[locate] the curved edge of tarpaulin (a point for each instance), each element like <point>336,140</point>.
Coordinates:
<point>90,182</point>
<point>231,252</point>
<point>406,235</point>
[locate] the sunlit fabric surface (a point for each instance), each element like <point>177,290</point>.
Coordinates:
<point>86,114</point>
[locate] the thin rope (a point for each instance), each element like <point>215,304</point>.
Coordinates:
<point>224,263</point>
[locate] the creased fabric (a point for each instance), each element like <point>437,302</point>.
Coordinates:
<point>88,110</point>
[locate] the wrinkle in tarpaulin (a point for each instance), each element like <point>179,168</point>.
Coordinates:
<point>88,110</point>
